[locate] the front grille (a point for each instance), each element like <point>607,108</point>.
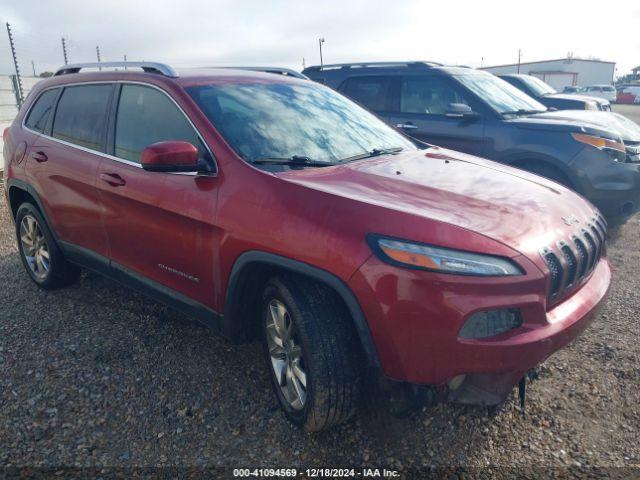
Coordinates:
<point>572,260</point>
<point>633,151</point>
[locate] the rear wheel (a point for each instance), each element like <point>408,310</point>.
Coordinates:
<point>39,252</point>
<point>312,352</point>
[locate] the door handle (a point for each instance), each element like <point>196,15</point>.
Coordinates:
<point>39,156</point>
<point>407,126</point>
<point>113,179</point>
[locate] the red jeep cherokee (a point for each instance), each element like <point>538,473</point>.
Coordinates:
<point>260,203</point>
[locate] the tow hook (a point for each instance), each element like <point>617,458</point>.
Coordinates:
<point>522,388</point>
<point>522,393</point>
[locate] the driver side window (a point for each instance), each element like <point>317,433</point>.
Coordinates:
<point>146,116</point>
<point>428,95</point>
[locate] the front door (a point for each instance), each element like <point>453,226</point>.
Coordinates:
<point>160,226</point>
<point>424,113</point>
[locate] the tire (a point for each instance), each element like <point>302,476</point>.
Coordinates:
<point>35,243</point>
<point>321,344</point>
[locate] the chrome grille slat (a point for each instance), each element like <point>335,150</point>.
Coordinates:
<point>593,250</point>
<point>571,261</point>
<point>583,257</point>
<point>572,265</point>
<point>599,239</point>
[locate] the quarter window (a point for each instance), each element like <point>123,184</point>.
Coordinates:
<point>431,95</point>
<point>373,92</point>
<point>41,110</point>
<point>146,116</point>
<point>81,115</point>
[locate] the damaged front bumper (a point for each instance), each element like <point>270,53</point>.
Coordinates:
<point>510,360</point>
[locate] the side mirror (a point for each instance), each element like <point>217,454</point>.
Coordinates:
<point>171,156</point>
<point>459,110</point>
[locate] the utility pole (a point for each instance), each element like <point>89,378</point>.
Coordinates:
<point>519,58</point>
<point>64,51</point>
<point>33,65</point>
<point>320,42</point>
<point>125,59</point>
<point>98,55</point>
<point>303,64</point>
<point>19,96</point>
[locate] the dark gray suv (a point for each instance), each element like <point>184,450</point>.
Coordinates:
<point>595,153</point>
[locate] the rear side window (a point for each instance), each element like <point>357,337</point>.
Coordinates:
<point>430,95</point>
<point>146,116</point>
<point>41,110</point>
<point>375,93</point>
<point>81,115</point>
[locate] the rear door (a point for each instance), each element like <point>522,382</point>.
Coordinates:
<point>161,226</point>
<point>378,93</point>
<point>64,160</point>
<point>423,113</point>
<point>18,143</point>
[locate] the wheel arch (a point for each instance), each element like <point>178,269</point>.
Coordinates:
<point>521,160</point>
<point>253,268</point>
<point>19,192</point>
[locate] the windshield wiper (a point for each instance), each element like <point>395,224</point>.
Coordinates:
<point>523,111</point>
<point>299,160</point>
<point>373,153</point>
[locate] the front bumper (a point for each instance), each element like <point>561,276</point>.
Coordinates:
<point>415,317</point>
<point>613,187</point>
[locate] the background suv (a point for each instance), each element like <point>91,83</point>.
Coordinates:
<point>550,98</point>
<point>595,153</point>
<point>607,92</point>
<point>270,206</point>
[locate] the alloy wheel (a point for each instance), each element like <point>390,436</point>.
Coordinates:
<point>286,355</point>
<point>34,247</point>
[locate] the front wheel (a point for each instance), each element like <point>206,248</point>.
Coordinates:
<point>312,352</point>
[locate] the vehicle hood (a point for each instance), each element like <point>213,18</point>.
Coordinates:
<point>578,97</point>
<point>592,122</point>
<point>521,210</point>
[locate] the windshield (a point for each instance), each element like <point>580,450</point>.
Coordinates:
<point>538,86</point>
<point>286,120</point>
<point>501,96</point>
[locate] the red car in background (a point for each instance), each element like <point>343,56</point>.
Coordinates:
<point>273,207</point>
<point>629,94</point>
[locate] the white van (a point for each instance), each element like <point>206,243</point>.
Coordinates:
<point>602,91</point>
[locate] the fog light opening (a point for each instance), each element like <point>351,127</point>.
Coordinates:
<point>491,323</point>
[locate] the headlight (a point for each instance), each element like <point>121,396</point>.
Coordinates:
<point>439,259</point>
<point>599,142</point>
<point>591,106</point>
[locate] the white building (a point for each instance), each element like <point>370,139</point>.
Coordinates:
<point>563,72</point>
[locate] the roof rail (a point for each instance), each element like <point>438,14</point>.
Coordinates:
<point>334,66</point>
<point>149,67</point>
<point>288,72</point>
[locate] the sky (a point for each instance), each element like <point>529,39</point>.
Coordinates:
<point>193,33</point>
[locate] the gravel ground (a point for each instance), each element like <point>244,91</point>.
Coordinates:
<point>96,375</point>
